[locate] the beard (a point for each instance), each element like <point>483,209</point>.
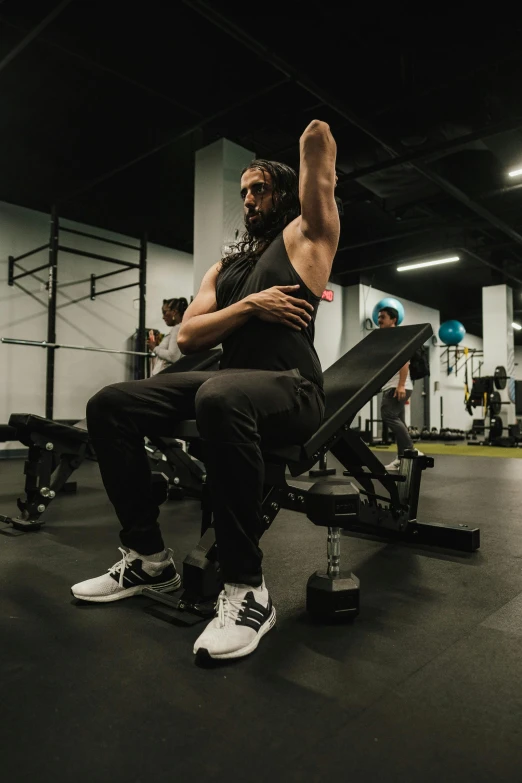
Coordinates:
<point>264,222</point>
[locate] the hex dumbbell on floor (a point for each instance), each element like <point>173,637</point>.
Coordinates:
<point>332,595</point>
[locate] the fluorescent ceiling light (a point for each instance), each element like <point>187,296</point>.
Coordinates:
<point>516,326</point>
<point>428,263</point>
<point>515,173</point>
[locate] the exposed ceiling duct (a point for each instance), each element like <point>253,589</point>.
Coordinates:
<point>404,181</point>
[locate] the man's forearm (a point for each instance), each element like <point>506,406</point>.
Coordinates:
<point>403,374</point>
<point>317,149</point>
<point>202,332</point>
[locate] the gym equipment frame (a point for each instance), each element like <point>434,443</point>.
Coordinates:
<point>54,246</point>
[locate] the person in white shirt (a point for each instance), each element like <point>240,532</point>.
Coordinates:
<point>167,351</point>
<point>395,394</point>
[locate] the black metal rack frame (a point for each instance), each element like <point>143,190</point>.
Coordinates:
<point>54,248</point>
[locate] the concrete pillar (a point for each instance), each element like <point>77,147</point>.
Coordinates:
<point>353,319</point>
<point>499,342</point>
<point>218,209</point>
<point>354,330</point>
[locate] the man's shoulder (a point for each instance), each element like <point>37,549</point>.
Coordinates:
<point>328,239</point>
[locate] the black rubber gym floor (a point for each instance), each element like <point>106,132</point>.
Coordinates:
<point>426,684</point>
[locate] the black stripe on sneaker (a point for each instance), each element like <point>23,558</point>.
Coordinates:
<point>253,614</point>
<point>135,576</point>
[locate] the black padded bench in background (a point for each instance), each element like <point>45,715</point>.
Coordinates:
<point>56,450</point>
<point>7,433</point>
<point>203,360</point>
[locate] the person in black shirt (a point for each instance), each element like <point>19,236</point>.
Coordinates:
<point>260,303</point>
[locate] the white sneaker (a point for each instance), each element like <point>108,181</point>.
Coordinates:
<point>395,465</point>
<point>243,615</point>
<point>128,577</point>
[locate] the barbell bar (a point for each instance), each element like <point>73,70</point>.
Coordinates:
<point>501,377</point>
<point>44,344</point>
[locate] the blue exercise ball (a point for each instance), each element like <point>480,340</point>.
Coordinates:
<point>388,301</point>
<point>451,332</point>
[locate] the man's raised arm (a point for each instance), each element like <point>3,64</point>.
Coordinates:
<point>317,179</point>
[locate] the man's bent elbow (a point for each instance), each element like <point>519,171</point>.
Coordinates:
<point>316,126</point>
<point>184,344</point>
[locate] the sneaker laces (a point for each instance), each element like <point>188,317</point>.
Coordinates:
<point>121,565</point>
<point>226,607</point>
<point>127,558</point>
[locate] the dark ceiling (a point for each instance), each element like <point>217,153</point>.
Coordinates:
<point>104,105</point>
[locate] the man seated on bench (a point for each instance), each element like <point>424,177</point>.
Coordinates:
<point>260,302</point>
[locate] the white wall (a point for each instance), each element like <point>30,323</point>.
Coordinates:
<point>452,383</point>
<point>107,322</point>
<point>499,341</point>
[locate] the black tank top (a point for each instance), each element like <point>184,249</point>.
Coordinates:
<point>259,345</point>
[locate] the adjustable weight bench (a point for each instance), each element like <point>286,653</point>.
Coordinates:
<point>389,513</point>
<point>56,450</point>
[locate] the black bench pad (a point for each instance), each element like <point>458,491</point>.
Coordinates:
<point>7,433</point>
<point>26,423</point>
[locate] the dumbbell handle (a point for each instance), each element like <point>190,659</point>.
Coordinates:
<point>333,551</point>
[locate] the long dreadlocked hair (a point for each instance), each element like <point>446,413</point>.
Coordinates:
<point>285,185</point>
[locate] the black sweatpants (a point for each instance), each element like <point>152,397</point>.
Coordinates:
<point>238,413</point>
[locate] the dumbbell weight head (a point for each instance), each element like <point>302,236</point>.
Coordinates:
<point>332,599</point>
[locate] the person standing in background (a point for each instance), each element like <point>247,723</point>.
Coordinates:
<point>395,394</point>
<point>167,351</point>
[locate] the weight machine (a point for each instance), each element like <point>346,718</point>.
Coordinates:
<point>485,393</point>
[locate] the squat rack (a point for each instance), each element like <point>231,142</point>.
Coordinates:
<point>54,247</point>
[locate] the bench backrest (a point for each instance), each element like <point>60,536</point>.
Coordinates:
<point>357,376</point>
